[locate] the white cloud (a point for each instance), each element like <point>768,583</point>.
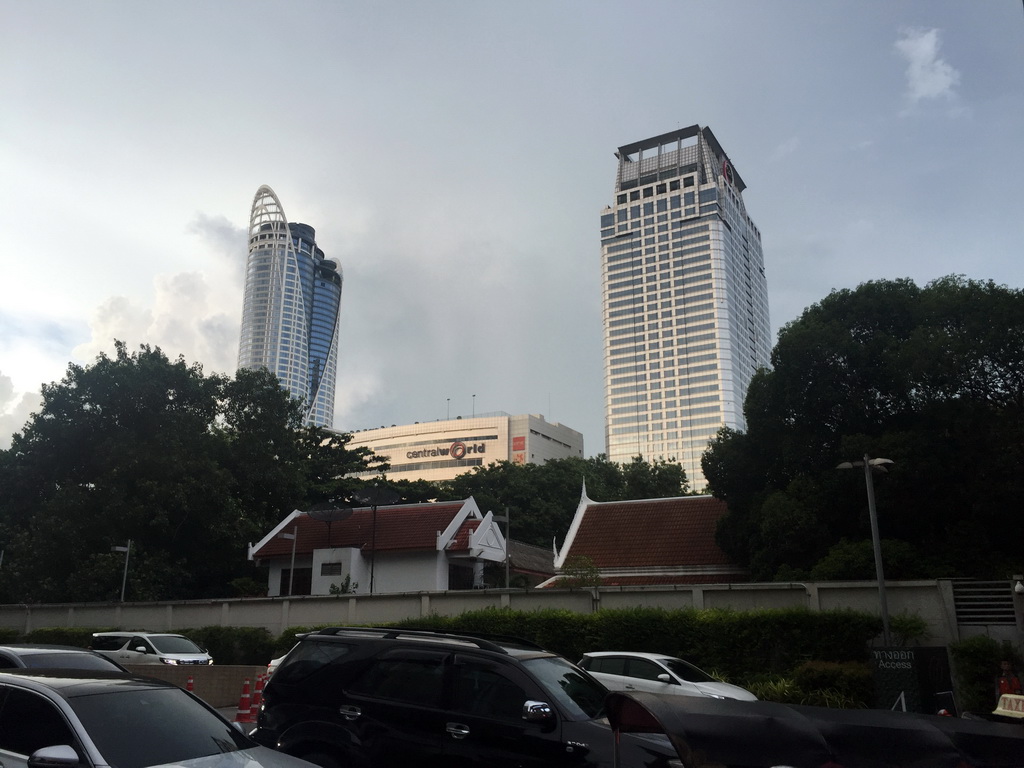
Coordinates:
<point>194,314</point>
<point>928,75</point>
<point>15,410</point>
<point>185,319</point>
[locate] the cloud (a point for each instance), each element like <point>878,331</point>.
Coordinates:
<point>186,318</point>
<point>928,75</point>
<point>15,410</point>
<point>226,239</point>
<point>193,314</point>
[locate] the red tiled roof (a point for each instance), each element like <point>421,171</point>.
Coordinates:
<point>460,541</point>
<point>679,579</point>
<point>398,528</point>
<point>651,533</point>
<point>720,578</point>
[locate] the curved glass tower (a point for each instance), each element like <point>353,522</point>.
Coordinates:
<point>291,307</point>
<point>685,300</point>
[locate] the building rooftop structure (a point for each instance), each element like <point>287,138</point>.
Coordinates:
<point>649,541</point>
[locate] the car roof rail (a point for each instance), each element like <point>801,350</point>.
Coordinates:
<point>505,640</point>
<point>480,640</point>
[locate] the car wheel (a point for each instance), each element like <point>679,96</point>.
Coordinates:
<point>322,759</point>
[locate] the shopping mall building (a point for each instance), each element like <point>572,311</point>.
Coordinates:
<point>440,450</point>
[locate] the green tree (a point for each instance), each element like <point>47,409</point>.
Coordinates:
<point>137,447</point>
<point>932,378</point>
<point>580,571</point>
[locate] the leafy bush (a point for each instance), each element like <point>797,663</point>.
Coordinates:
<point>907,630</point>
<point>743,646</point>
<point>975,668</point>
<point>233,645</point>
<point>786,690</point>
<point>227,645</point>
<point>779,689</point>
<point>77,636</point>
<point>9,635</point>
<point>849,681</point>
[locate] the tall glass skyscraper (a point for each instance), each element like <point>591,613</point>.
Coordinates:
<point>291,308</point>
<point>685,300</point>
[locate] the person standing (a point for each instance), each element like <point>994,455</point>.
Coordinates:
<point>1007,682</point>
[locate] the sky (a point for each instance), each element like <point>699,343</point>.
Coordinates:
<point>454,157</point>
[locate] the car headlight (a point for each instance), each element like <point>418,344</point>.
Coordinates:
<point>169,661</point>
<point>210,661</point>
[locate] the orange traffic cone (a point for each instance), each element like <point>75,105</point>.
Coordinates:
<point>189,686</point>
<point>244,705</point>
<point>257,698</point>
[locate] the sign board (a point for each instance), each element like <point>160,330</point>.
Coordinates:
<point>912,679</point>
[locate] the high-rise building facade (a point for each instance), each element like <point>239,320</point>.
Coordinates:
<point>290,309</point>
<point>685,300</point>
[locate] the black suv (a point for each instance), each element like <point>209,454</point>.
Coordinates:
<point>382,698</point>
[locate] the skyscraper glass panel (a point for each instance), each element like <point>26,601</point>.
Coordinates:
<point>291,308</point>
<point>685,300</point>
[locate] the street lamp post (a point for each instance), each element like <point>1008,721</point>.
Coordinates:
<point>294,536</point>
<point>374,496</point>
<point>878,465</point>
<point>127,551</point>
<point>507,520</point>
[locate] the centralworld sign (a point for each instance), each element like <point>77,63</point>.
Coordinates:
<point>457,450</point>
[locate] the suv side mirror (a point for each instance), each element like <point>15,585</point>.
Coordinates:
<point>141,649</point>
<point>61,756</point>
<point>537,712</point>
<point>665,678</point>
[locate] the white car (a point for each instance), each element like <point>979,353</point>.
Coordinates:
<point>149,648</point>
<point>657,673</point>
<point>275,663</point>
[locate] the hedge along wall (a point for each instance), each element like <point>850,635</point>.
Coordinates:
<point>738,645</point>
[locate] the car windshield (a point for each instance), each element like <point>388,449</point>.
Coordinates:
<point>154,726</point>
<point>69,660</point>
<point>684,670</point>
<point>579,693</point>
<point>173,644</point>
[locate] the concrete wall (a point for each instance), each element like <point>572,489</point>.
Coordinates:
<point>930,600</point>
<point>217,685</point>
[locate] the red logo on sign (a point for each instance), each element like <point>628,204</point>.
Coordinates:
<point>518,443</point>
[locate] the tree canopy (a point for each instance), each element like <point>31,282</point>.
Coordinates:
<point>932,378</point>
<point>189,467</point>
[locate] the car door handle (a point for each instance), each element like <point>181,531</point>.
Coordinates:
<point>457,730</point>
<point>630,687</point>
<point>349,712</point>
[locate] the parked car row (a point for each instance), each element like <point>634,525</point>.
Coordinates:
<point>385,697</point>
<point>388,697</point>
